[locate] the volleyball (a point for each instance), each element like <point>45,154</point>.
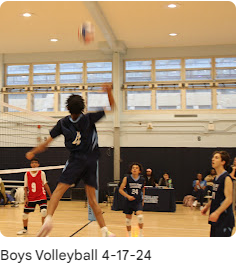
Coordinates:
<point>87,32</point>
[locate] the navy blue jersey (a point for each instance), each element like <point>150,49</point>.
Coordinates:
<point>80,135</point>
<point>134,187</point>
<point>218,196</point>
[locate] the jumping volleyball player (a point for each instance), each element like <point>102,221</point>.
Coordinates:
<point>82,141</point>
<point>135,192</point>
<point>221,216</point>
<point>35,185</point>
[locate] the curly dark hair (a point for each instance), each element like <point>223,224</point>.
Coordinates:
<point>135,163</point>
<point>75,104</point>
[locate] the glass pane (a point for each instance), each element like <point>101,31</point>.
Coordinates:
<point>198,99</point>
<point>43,79</point>
<point>99,66</point>
<point>138,65</point>
<point>19,100</point>
<point>198,63</point>
<point>63,97</point>
<point>168,64</point>
<point>97,100</point>
<point>17,80</point>
<point>168,76</point>
<point>226,98</point>
<point>225,62</point>
<point>140,100</point>
<point>138,76</point>
<point>18,69</point>
<point>99,77</point>
<point>71,78</point>
<point>43,102</point>
<point>168,100</point>
<point>44,68</point>
<point>71,67</point>
<point>198,75</point>
<point>226,74</point>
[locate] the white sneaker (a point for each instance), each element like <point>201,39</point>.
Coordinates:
<point>110,234</point>
<point>201,207</point>
<point>22,232</point>
<point>195,203</point>
<point>46,227</point>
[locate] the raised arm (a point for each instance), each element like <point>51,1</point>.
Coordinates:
<point>108,88</point>
<point>40,148</point>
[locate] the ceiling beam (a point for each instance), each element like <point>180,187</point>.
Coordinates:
<point>101,21</point>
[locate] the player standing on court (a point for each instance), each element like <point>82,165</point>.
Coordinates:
<point>82,141</point>
<point>35,185</point>
<point>135,192</point>
<point>221,216</point>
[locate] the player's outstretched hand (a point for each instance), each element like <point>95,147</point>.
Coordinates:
<point>204,210</point>
<point>30,155</point>
<point>131,198</point>
<point>213,217</point>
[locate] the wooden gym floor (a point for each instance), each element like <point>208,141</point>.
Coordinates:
<point>72,215</point>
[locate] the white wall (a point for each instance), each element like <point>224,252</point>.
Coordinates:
<point>168,131</point>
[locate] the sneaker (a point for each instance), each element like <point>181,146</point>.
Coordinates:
<point>195,203</point>
<point>46,227</point>
<point>22,232</point>
<point>201,207</point>
<point>110,234</point>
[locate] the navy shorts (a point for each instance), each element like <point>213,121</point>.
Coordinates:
<point>132,206</point>
<point>220,231</point>
<point>30,207</point>
<point>79,167</point>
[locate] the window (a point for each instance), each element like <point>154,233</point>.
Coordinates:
<point>19,100</point>
<point>138,100</point>
<point>225,68</point>
<point>43,102</point>
<point>17,74</point>
<point>168,99</point>
<point>138,71</point>
<point>198,69</point>
<point>168,70</point>
<point>99,72</point>
<point>226,98</point>
<point>71,73</point>
<point>97,101</point>
<point>44,73</point>
<point>198,99</point>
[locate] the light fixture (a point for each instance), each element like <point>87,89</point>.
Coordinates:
<point>27,15</point>
<point>172,6</point>
<point>173,34</point>
<point>54,40</point>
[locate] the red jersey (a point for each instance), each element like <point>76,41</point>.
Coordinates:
<point>35,187</point>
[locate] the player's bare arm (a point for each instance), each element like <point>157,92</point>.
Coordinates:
<point>40,148</point>
<point>26,196</point>
<point>122,192</point>
<point>108,89</point>
<point>47,188</point>
<point>226,203</point>
<point>205,208</point>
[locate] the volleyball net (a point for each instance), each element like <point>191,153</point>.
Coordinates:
<point>21,130</point>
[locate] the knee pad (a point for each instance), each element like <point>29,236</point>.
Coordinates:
<point>43,212</point>
<point>140,219</point>
<point>24,216</point>
<point>128,222</point>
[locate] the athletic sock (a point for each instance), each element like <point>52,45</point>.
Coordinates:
<point>104,231</point>
<point>25,227</point>
<point>129,233</point>
<point>141,232</point>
